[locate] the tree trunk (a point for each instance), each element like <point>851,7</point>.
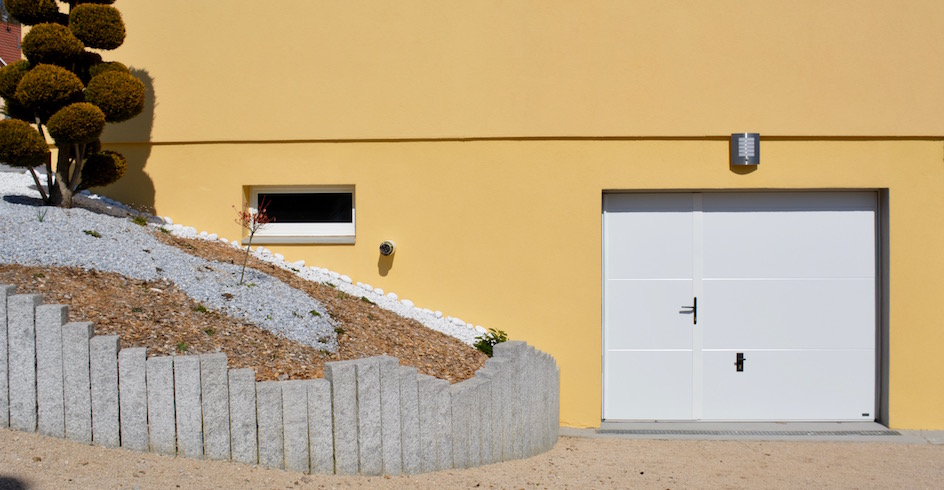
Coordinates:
<point>63,191</point>
<point>59,193</point>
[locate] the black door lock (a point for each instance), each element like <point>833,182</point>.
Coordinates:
<point>739,363</point>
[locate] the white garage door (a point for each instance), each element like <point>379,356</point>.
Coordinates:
<point>739,306</point>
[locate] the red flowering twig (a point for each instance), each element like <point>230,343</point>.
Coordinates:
<point>252,220</point>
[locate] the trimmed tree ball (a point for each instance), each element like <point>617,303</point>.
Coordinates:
<point>47,88</point>
<point>15,110</point>
<point>98,26</point>
<point>76,123</point>
<point>21,145</point>
<point>119,95</point>
<point>32,12</point>
<point>10,77</point>
<point>51,43</point>
<point>108,66</point>
<point>102,168</point>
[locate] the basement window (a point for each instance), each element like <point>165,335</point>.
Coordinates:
<point>305,214</point>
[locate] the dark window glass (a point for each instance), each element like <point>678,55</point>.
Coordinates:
<point>320,207</point>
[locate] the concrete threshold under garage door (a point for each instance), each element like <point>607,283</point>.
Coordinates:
<point>757,431</point>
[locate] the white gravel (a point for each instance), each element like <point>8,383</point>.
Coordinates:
<point>32,234</point>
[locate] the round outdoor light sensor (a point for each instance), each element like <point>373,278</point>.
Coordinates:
<point>387,247</point>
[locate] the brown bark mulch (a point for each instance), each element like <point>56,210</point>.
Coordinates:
<point>157,315</point>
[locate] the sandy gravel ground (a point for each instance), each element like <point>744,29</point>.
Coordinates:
<point>32,461</point>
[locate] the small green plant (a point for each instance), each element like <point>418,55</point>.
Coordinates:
<point>296,315</point>
<point>268,317</point>
<point>92,233</point>
<point>182,346</point>
<point>139,220</point>
<point>164,230</point>
<point>137,309</point>
<point>487,341</point>
<point>200,308</point>
<point>251,285</point>
<point>39,275</point>
<point>342,295</point>
<point>339,330</point>
<point>365,300</point>
<point>314,313</point>
<point>370,317</point>
<point>41,214</point>
<point>209,331</point>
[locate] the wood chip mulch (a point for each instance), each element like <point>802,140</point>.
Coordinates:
<point>156,315</point>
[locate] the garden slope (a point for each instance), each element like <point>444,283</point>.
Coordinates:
<point>156,311</point>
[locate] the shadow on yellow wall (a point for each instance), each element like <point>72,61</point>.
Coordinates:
<point>133,140</point>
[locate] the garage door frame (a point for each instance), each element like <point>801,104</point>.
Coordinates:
<point>882,364</point>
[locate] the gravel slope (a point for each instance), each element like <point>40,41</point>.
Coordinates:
<point>31,234</point>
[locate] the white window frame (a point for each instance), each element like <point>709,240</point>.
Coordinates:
<point>275,232</point>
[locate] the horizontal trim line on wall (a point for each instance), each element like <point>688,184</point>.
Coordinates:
<point>526,138</point>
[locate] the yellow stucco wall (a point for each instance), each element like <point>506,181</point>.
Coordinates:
<point>322,69</point>
<point>507,234</point>
<point>481,135</point>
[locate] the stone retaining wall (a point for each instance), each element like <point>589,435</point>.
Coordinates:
<point>368,416</point>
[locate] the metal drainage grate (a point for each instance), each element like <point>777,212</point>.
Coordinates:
<point>765,433</point>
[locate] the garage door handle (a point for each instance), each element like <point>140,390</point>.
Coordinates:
<point>694,310</point>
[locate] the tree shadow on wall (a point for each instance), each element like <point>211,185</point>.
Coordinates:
<point>132,139</point>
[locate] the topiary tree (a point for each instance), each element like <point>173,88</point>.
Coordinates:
<point>68,91</point>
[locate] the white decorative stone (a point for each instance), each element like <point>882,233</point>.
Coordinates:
<point>368,287</point>
<point>407,303</point>
<point>236,244</point>
<point>335,275</point>
<point>480,329</point>
<point>457,322</point>
<point>392,296</point>
<point>378,291</point>
<point>168,221</point>
<point>427,311</point>
<point>223,240</point>
<point>298,263</point>
<point>203,234</point>
<point>438,314</point>
<point>346,279</point>
<point>280,257</point>
<point>212,236</point>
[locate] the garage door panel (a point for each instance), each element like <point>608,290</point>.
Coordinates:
<point>665,220</point>
<point>789,385</point>
<point>646,314</point>
<point>747,238</point>
<point>648,385</point>
<point>788,314</point>
<point>785,278</point>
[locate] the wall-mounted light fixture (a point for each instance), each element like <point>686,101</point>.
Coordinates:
<point>387,248</point>
<point>745,149</point>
